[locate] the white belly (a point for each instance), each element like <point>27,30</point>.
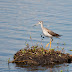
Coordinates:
<point>46,34</point>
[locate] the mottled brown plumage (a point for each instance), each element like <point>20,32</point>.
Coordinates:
<point>53,33</point>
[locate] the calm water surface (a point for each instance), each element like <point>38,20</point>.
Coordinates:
<point>17,18</point>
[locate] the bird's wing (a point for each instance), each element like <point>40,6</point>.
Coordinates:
<point>53,33</point>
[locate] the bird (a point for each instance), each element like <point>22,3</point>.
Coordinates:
<point>48,33</point>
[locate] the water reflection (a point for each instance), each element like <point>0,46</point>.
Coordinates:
<point>56,68</point>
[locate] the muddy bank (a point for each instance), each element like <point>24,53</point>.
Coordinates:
<point>40,56</point>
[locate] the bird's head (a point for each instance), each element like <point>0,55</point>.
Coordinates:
<point>40,22</point>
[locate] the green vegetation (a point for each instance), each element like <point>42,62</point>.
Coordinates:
<point>37,55</point>
<point>61,70</point>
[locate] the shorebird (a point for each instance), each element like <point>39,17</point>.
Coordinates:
<point>48,33</point>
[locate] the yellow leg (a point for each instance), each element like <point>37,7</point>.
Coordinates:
<point>47,45</point>
<point>50,43</point>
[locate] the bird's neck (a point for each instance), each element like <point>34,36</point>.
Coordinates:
<point>42,26</point>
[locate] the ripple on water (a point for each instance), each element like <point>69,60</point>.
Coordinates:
<point>16,20</point>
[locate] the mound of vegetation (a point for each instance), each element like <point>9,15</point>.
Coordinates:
<point>40,56</point>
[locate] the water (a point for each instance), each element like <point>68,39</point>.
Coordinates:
<point>16,20</point>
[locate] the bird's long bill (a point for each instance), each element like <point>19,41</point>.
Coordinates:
<point>36,24</point>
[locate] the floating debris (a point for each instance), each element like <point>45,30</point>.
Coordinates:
<point>70,50</point>
<point>40,56</point>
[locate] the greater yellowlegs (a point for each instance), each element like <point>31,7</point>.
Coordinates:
<point>48,33</point>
